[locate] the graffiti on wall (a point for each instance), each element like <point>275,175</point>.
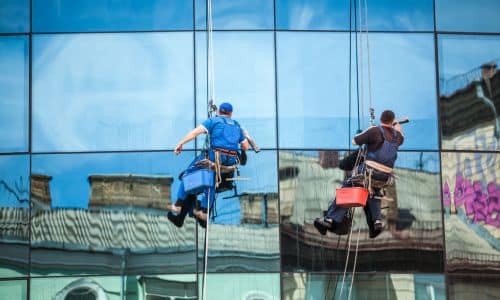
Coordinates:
<point>474,189</point>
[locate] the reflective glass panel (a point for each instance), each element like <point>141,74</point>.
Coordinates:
<point>106,213</point>
<point>236,14</point>
<point>244,76</point>
<point>265,286</point>
<point>101,287</point>
<point>464,15</point>
<point>313,89</point>
<point>471,193</point>
<point>312,14</point>
<point>14,16</point>
<point>14,215</point>
<point>310,286</point>
<point>15,289</point>
<point>402,80</point>
<point>473,286</point>
<point>412,229</point>
<point>124,91</point>
<point>95,15</point>
<point>14,85</point>
<point>151,287</point>
<point>243,231</point>
<point>407,15</point>
<point>469,83</point>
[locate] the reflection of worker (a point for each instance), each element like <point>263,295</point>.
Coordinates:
<point>226,137</point>
<point>382,144</point>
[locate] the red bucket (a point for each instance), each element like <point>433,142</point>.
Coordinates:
<point>351,197</point>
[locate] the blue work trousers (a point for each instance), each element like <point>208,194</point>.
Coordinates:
<point>209,193</point>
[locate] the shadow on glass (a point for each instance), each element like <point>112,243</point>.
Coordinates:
<point>411,238</point>
<point>243,230</point>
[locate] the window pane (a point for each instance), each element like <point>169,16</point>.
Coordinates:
<point>472,211</point>
<point>470,92</point>
<point>14,93</point>
<point>76,288</point>
<point>14,215</point>
<point>412,237</point>
<point>464,15</point>
<point>265,286</point>
<point>15,289</point>
<point>106,213</point>
<point>244,233</point>
<point>312,14</point>
<point>407,15</point>
<point>313,86</point>
<point>473,287</point>
<point>14,16</point>
<point>122,92</point>
<point>394,286</point>
<point>150,287</point>
<point>244,76</point>
<point>403,80</point>
<point>236,14</point>
<point>95,15</point>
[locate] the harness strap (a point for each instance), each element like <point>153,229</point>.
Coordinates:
<point>225,151</point>
<point>378,166</point>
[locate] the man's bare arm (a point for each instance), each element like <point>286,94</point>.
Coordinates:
<point>189,137</point>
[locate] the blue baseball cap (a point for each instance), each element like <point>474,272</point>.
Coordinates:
<point>226,107</point>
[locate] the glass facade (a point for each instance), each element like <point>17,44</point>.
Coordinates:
<point>95,95</point>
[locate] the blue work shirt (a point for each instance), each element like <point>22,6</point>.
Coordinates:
<point>224,132</point>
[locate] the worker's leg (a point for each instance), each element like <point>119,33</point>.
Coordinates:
<point>373,216</point>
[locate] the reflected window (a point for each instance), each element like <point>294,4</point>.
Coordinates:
<point>313,86</point>
<point>471,201</point>
<point>163,287</point>
<point>469,83</point>
<point>407,87</point>
<point>71,288</point>
<point>244,231</point>
<point>15,289</point>
<point>312,14</point>
<point>90,16</point>
<point>393,286</point>
<point>124,92</point>
<point>473,287</point>
<point>411,215</point>
<point>14,93</point>
<point>464,15</point>
<point>14,215</point>
<point>104,202</point>
<point>256,286</point>
<point>14,16</point>
<point>236,14</point>
<point>248,84</point>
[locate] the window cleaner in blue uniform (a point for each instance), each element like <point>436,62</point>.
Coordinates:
<point>382,144</point>
<point>225,139</point>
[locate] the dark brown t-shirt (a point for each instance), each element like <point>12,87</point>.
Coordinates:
<point>372,137</point>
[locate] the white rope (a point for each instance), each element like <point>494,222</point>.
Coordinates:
<point>355,262</point>
<point>347,258</point>
<point>370,94</point>
<point>210,101</point>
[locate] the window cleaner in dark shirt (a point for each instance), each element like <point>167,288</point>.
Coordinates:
<point>226,139</point>
<point>382,143</point>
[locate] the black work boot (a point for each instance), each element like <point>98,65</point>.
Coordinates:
<point>178,220</point>
<point>322,225</point>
